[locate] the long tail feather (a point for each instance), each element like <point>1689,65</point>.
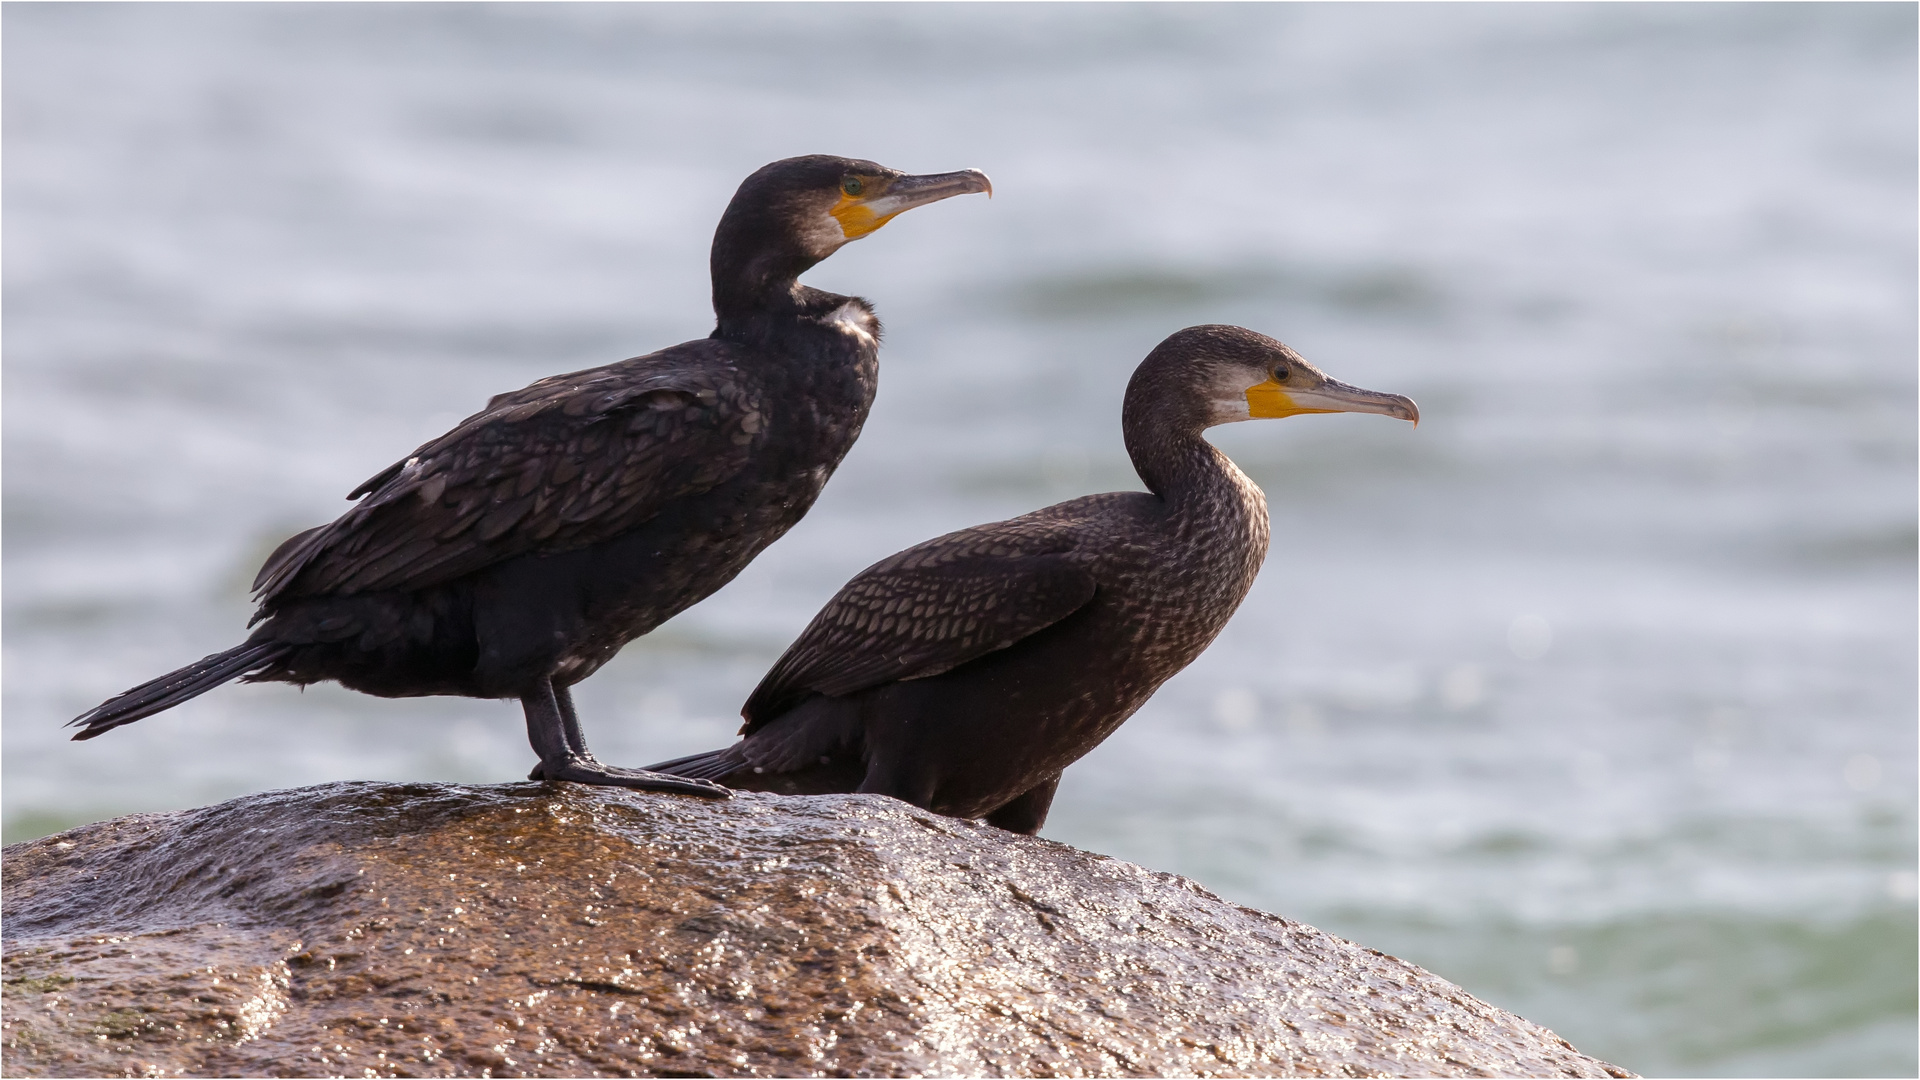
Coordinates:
<point>711,765</point>
<point>158,695</point>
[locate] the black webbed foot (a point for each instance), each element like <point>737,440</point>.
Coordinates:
<point>554,731</point>
<point>588,771</point>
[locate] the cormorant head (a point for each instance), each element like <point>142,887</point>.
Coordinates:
<point>793,213</point>
<point>1240,375</point>
<point>1248,377</point>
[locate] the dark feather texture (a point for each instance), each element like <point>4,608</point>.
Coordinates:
<point>514,555</point>
<point>571,461</point>
<point>158,695</point>
<point>963,674</point>
<point>927,610</point>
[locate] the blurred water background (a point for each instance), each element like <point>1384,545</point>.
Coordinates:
<point>1595,694</point>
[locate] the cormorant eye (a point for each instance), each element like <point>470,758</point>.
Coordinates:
<point>851,185</point>
<point>1280,373</point>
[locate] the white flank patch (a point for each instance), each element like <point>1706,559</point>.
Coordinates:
<point>853,319</point>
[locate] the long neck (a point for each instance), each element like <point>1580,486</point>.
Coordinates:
<point>756,277</point>
<point>1187,472</point>
<point>1184,469</point>
<point>1162,432</point>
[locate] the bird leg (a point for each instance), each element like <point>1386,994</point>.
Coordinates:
<point>1026,813</point>
<point>575,740</point>
<point>570,722</point>
<point>554,730</point>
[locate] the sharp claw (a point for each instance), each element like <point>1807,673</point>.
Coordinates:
<point>707,790</point>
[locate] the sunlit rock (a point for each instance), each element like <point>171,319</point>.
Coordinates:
<point>378,929</point>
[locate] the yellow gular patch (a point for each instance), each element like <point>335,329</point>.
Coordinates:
<point>1270,401</point>
<point>856,216</point>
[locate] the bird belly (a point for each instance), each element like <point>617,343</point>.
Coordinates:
<point>497,632</point>
<point>567,615</point>
<point>985,733</point>
<point>386,644</point>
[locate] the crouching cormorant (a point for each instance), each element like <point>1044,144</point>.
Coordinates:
<point>963,674</point>
<point>514,555</point>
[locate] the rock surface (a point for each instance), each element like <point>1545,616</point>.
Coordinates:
<point>559,930</point>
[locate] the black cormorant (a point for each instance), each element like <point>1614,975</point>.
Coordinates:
<point>963,674</point>
<point>514,555</point>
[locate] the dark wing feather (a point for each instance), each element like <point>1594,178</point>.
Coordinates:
<point>928,610</point>
<point>570,461</point>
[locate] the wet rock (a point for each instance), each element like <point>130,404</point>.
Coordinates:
<point>559,930</point>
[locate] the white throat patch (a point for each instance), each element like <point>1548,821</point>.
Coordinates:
<point>1228,401</point>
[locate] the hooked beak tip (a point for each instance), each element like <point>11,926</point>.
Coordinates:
<point>975,176</point>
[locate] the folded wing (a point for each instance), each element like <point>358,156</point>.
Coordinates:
<point>570,461</point>
<point>927,610</point>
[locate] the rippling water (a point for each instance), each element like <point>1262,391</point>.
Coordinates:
<point>1595,694</point>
